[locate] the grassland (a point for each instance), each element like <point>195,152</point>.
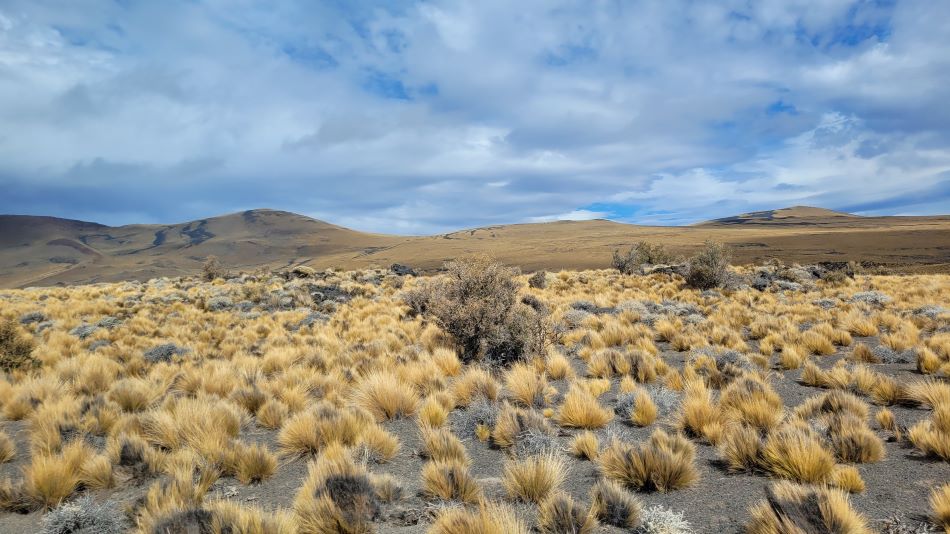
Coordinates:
<point>268,403</point>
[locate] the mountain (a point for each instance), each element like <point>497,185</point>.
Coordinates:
<point>792,215</point>
<point>47,250</point>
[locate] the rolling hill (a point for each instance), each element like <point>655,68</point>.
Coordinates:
<point>47,250</point>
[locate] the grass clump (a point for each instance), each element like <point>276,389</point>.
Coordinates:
<point>490,518</point>
<point>337,497</point>
<point>613,505</point>
<point>581,410</point>
<point>559,514</point>
<point>449,480</point>
<point>533,478</point>
<point>663,463</point>
<point>791,507</point>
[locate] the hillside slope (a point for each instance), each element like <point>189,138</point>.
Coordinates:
<point>46,250</point>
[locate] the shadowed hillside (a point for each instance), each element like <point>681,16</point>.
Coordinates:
<point>46,250</point>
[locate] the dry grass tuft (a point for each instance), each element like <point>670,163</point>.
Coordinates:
<point>940,506</point>
<point>449,480</point>
<point>847,478</point>
<point>533,478</point>
<point>585,446</point>
<point>581,410</point>
<point>795,454</point>
<point>442,445</point>
<point>491,518</point>
<point>663,463</point>
<point>253,463</point>
<point>793,508</point>
<point>337,497</point>
<point>559,514</point>
<point>7,448</point>
<point>385,396</point>
<point>615,506</point>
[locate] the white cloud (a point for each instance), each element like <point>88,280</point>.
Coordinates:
<point>435,116</point>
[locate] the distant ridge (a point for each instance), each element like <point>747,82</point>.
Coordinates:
<point>38,251</point>
<point>782,215</point>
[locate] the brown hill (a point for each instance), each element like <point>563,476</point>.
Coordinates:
<point>47,250</point>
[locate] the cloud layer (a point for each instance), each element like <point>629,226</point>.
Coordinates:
<point>411,117</point>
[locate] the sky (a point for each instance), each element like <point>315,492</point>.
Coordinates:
<point>424,117</point>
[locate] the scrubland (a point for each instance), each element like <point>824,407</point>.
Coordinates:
<point>477,401</point>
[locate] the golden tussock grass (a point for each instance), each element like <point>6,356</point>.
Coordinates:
<point>441,444</point>
<point>752,401</point>
<point>309,432</point>
<point>449,480</point>
<point>940,506</point>
<point>533,478</point>
<point>741,448</point>
<point>699,415</point>
<point>932,436</point>
<point>796,455</point>
<point>7,448</point>
<point>558,367</point>
<point>885,419</point>
<point>644,410</point>
<point>338,496</point>
<point>512,421</point>
<point>847,478</point>
<point>585,445</point>
<point>663,463</point>
<point>385,396</point>
<point>253,463</point>
<point>432,413</point>
<point>526,387</point>
<point>272,414</point>
<point>474,382</point>
<point>792,507</point>
<point>490,518</point>
<point>581,409</point>
<point>559,514</point>
<point>613,505</point>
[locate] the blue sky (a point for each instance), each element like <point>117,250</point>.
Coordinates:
<point>422,117</point>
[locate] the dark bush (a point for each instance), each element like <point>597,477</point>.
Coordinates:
<point>16,350</point>
<point>642,253</point>
<point>212,269</point>
<point>477,304</point>
<point>538,280</point>
<point>709,268</point>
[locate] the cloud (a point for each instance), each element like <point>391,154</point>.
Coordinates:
<point>427,117</point>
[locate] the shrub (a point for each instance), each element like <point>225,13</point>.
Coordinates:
<point>538,280</point>
<point>614,505</point>
<point>212,269</point>
<point>16,349</point>
<point>640,254</point>
<point>477,305</point>
<point>85,515</point>
<point>559,514</point>
<point>659,520</point>
<point>709,267</point>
